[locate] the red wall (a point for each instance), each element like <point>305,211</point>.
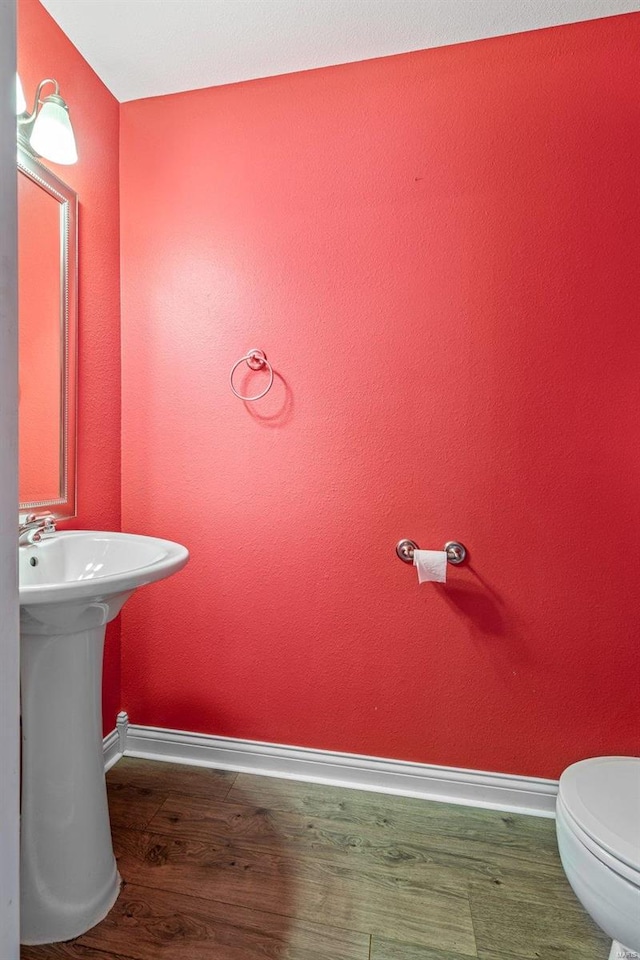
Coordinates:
<point>439,253</point>
<point>44,51</point>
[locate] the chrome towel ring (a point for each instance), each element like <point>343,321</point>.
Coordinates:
<point>255,360</point>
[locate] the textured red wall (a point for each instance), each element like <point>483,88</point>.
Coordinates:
<point>44,51</point>
<point>439,252</point>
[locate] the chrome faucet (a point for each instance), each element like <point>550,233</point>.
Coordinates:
<point>33,528</point>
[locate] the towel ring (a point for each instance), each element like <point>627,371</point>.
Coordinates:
<point>255,360</point>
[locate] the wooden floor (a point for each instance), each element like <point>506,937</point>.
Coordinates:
<point>219,866</point>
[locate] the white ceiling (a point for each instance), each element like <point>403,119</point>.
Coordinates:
<point>144,48</point>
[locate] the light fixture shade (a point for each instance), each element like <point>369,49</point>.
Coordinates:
<point>21,103</point>
<point>52,136</point>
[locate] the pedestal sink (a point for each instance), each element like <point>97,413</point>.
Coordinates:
<point>71,586</point>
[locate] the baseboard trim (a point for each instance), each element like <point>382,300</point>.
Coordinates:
<point>114,743</point>
<point>497,791</point>
<point>111,749</point>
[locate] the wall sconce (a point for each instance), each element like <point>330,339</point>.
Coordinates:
<point>46,131</point>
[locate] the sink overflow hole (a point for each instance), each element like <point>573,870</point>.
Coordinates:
<point>33,561</point>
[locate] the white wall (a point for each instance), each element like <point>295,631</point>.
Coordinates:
<point>9,649</point>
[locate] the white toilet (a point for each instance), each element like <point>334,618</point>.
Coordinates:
<point>598,827</point>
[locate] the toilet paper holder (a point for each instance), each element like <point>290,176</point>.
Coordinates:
<point>455,551</point>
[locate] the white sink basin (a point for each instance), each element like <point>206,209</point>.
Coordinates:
<point>71,585</point>
<point>84,572</point>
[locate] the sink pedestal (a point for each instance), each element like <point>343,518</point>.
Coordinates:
<point>71,586</point>
<point>69,877</point>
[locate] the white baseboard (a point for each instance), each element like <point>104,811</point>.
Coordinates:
<point>111,749</point>
<point>475,788</point>
<point>114,743</point>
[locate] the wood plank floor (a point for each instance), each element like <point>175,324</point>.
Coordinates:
<point>219,866</point>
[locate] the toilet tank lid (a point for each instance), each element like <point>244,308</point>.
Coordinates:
<point>603,797</point>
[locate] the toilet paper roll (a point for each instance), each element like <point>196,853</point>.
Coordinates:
<point>431,565</point>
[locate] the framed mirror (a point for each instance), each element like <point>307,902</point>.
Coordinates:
<point>47,313</point>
